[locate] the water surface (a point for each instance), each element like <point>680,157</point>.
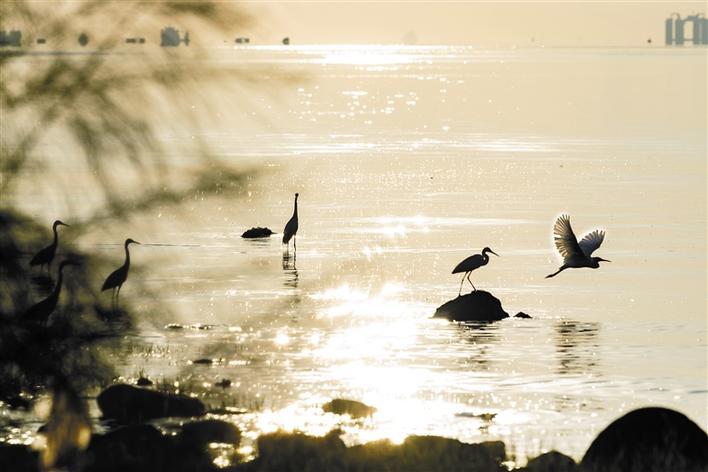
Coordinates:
<point>407,160</point>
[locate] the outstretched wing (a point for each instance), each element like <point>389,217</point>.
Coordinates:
<point>591,242</point>
<point>566,242</point>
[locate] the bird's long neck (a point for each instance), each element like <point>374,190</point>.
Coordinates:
<point>127,256</point>
<point>485,256</point>
<point>57,287</point>
<point>295,209</point>
<point>56,235</point>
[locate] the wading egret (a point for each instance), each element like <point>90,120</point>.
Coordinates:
<point>40,312</point>
<point>576,254</point>
<point>46,255</point>
<point>291,227</point>
<point>470,264</point>
<point>119,276</point>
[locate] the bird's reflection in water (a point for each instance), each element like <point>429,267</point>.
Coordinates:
<point>577,346</point>
<point>291,277</point>
<point>481,335</point>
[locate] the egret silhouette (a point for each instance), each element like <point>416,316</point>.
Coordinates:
<point>291,227</point>
<point>119,276</point>
<point>46,255</point>
<point>39,313</point>
<point>576,254</point>
<point>471,263</point>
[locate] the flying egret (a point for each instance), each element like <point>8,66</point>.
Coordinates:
<point>40,312</point>
<point>119,276</point>
<point>471,263</point>
<point>576,254</point>
<point>291,227</point>
<point>46,255</point>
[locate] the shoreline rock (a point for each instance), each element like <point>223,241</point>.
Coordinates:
<point>353,408</point>
<point>200,433</point>
<point>552,461</point>
<point>474,306</point>
<point>297,451</point>
<point>128,404</point>
<point>651,440</point>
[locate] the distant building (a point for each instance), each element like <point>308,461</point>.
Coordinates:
<point>243,40</point>
<point>41,41</point>
<point>10,38</point>
<point>169,37</point>
<point>676,29</point>
<point>83,39</point>
<point>286,41</point>
<point>135,40</point>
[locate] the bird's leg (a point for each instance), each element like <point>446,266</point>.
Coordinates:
<point>470,281</point>
<point>562,268</point>
<point>117,294</point>
<point>461,282</point>
<point>295,243</point>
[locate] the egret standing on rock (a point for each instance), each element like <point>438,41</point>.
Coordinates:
<point>119,276</point>
<point>470,264</point>
<point>40,312</point>
<point>46,255</point>
<point>576,254</point>
<point>291,227</point>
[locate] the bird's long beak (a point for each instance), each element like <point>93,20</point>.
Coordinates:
<point>603,260</point>
<point>494,253</point>
<point>136,242</point>
<point>63,224</point>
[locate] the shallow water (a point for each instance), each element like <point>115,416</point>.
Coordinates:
<point>407,160</point>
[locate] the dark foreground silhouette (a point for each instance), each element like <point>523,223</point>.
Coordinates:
<point>647,440</point>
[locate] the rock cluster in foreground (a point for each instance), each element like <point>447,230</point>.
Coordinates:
<point>646,440</point>
<point>299,452</point>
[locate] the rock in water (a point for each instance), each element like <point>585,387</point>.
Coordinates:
<point>353,408</point>
<point>143,381</point>
<point>474,306</point>
<point>135,447</point>
<point>18,457</point>
<point>128,404</point>
<point>257,232</point>
<point>649,440</point>
<point>201,433</point>
<point>552,461</point>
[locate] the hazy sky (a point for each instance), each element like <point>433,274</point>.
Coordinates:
<point>570,23</point>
